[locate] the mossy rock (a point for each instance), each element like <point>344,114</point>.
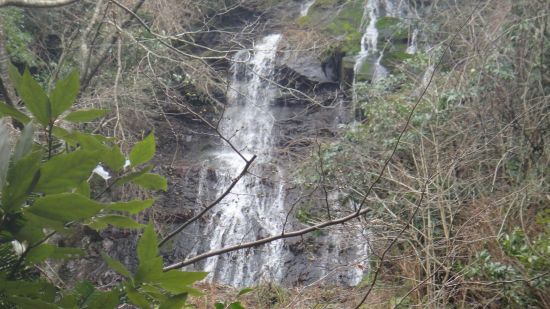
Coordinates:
<point>304,21</point>
<point>346,26</point>
<point>387,22</point>
<point>347,70</point>
<point>392,29</point>
<point>343,26</point>
<point>320,14</point>
<point>395,54</point>
<point>367,69</point>
<point>327,3</point>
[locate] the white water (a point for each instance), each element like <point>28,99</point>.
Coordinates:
<point>255,208</point>
<point>373,11</point>
<point>369,41</point>
<point>346,252</point>
<point>411,49</point>
<point>304,9</point>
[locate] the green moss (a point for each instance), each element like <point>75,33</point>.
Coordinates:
<point>395,54</point>
<point>303,215</point>
<point>270,295</point>
<point>366,71</point>
<point>327,3</point>
<point>386,22</point>
<point>392,29</point>
<point>347,68</point>
<point>340,19</point>
<point>304,21</point>
<point>346,26</point>
<point>18,37</point>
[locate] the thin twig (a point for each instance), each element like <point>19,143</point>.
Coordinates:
<point>214,203</point>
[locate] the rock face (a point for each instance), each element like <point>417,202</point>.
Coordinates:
<point>308,65</point>
<point>279,92</point>
<point>268,104</point>
<point>285,93</point>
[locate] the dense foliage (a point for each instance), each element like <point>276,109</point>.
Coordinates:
<point>475,148</point>
<point>46,191</point>
<point>464,196</point>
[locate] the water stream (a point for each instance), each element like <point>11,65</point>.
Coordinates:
<point>373,11</point>
<point>369,41</point>
<point>304,9</point>
<point>255,208</point>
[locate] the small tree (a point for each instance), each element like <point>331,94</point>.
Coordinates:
<point>46,191</point>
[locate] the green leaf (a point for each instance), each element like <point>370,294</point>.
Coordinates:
<point>21,178</point>
<point>113,158</point>
<point>245,291</point>
<point>101,300</point>
<point>110,156</point>
<point>65,207</point>
<point>35,98</point>
<point>66,171</point>
<point>149,270</point>
<point>32,229</point>
<point>132,207</point>
<point>134,175</point>
<point>5,152</point>
<point>24,142</point>
<point>236,305</point>
<point>22,288</point>
<point>68,301</point>
<point>174,302</point>
<point>90,141</point>
<point>84,189</point>
<point>42,222</point>
<point>136,298</point>
<point>151,181</point>
<point>49,251</point>
<point>116,266</point>
<point>143,151</point>
<point>151,289</point>
<point>147,245</point>
<point>191,291</point>
<point>177,281</point>
<point>14,75</point>
<point>102,222</point>
<point>86,115</point>
<point>64,135</point>
<point>219,306</point>
<point>24,302</point>
<point>65,93</point>
<point>6,110</point>
<point>84,290</point>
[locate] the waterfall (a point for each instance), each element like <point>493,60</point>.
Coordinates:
<point>369,41</point>
<point>373,11</point>
<point>304,9</point>
<point>411,49</point>
<point>255,207</point>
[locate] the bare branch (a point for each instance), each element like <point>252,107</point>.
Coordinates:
<point>267,240</point>
<point>214,203</point>
<point>36,3</point>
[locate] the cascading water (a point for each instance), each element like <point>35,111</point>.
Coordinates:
<point>304,10</point>
<point>411,49</point>
<point>255,207</point>
<point>373,11</point>
<point>369,41</point>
